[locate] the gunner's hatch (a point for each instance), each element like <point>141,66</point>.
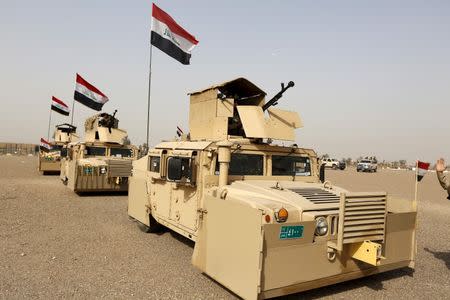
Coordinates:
<point>104,128</point>
<point>237,108</point>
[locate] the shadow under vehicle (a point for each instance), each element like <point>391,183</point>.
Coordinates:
<point>264,220</point>
<point>103,161</point>
<point>49,162</point>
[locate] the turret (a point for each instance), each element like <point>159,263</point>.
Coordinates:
<point>104,128</point>
<point>65,133</point>
<point>237,109</point>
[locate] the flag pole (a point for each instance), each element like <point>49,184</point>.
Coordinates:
<point>414,206</point>
<point>49,122</point>
<point>149,94</point>
<point>416,185</point>
<point>73,110</point>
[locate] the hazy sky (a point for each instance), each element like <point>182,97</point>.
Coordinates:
<point>372,77</point>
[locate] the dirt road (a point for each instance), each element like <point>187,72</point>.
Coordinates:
<point>55,244</point>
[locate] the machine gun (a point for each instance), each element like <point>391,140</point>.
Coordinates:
<point>108,120</point>
<point>274,100</point>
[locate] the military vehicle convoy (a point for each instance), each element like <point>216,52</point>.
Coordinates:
<point>102,162</point>
<point>264,219</point>
<point>50,161</point>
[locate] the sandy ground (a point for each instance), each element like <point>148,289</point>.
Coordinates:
<point>55,244</point>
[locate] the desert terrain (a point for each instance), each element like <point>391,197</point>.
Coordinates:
<point>56,244</point>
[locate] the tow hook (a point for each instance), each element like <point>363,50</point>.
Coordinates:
<point>331,254</point>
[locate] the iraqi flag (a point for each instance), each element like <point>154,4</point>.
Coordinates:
<point>171,38</point>
<point>45,146</point>
<point>59,106</point>
<point>422,169</point>
<point>89,95</point>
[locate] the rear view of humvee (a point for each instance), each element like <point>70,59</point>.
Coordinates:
<point>50,161</point>
<point>102,162</point>
<point>264,219</point>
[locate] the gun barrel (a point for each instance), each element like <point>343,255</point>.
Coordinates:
<point>274,100</point>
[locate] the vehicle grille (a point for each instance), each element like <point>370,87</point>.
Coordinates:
<point>362,217</point>
<point>317,196</point>
<point>119,168</point>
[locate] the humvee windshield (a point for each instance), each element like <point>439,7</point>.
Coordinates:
<point>56,148</point>
<point>63,152</point>
<point>245,164</point>
<point>253,164</point>
<point>120,152</point>
<point>95,151</point>
<point>291,165</point>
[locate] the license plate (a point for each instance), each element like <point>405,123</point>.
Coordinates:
<point>291,232</point>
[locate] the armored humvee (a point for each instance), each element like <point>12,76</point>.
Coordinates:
<point>50,161</point>
<point>102,162</point>
<point>264,220</point>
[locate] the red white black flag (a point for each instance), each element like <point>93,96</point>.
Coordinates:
<point>59,106</point>
<point>89,95</point>
<point>45,146</point>
<point>422,169</point>
<point>171,38</point>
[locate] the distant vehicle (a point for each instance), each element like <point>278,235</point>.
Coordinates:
<point>331,163</point>
<point>103,161</point>
<point>50,162</point>
<point>342,165</point>
<point>367,165</point>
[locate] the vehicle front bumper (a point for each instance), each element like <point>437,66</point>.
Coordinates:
<point>53,166</point>
<point>363,168</point>
<point>297,265</point>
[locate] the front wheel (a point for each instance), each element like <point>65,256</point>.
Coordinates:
<point>334,167</point>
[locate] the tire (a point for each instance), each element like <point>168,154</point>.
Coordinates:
<point>334,167</point>
<point>154,226</point>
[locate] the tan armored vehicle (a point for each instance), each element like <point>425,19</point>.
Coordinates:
<point>102,162</point>
<point>50,161</point>
<point>264,221</point>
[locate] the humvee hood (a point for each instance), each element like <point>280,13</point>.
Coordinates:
<point>274,194</point>
<point>92,161</point>
<point>100,161</point>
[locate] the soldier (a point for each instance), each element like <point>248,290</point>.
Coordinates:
<point>442,177</point>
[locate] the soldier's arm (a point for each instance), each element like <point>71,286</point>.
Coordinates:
<point>443,180</point>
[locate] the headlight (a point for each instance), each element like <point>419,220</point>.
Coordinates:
<point>103,170</point>
<point>321,226</point>
<point>281,215</point>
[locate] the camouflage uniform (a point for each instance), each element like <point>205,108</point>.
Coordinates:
<point>445,182</point>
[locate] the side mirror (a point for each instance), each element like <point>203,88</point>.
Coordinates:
<point>174,169</point>
<point>322,173</point>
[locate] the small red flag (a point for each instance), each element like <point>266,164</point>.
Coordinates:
<point>422,168</point>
